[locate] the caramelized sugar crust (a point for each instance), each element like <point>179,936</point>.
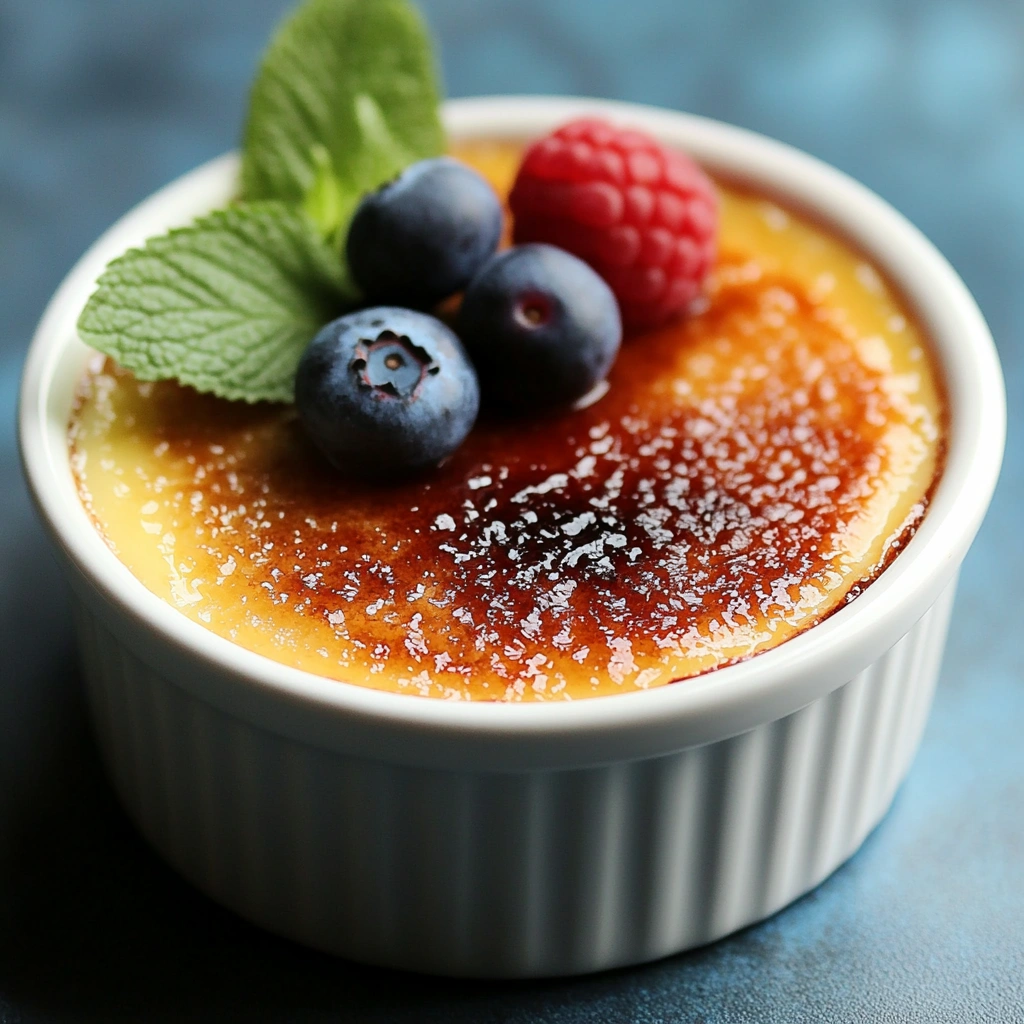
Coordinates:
<point>746,472</point>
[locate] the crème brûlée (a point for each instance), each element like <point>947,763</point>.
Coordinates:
<point>748,470</point>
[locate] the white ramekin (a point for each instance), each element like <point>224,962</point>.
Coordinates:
<point>524,840</point>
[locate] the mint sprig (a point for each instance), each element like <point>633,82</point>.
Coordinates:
<point>226,305</point>
<point>346,96</point>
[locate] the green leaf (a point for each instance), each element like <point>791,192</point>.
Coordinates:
<point>226,305</point>
<point>352,79</point>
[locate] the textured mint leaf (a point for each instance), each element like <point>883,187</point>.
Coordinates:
<point>354,79</point>
<point>226,305</point>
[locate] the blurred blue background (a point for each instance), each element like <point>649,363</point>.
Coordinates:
<point>102,101</point>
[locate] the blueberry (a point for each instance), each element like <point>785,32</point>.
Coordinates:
<point>386,390</point>
<point>541,327</point>
<point>422,237</point>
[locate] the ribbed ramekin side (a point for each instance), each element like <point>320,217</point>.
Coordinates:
<point>508,874</point>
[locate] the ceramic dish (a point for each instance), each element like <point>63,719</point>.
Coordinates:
<point>537,839</point>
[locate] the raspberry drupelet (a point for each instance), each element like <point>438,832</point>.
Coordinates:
<point>643,216</point>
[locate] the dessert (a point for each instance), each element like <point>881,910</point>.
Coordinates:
<point>670,816</point>
<point>749,469</point>
<point>623,514</point>
<point>799,405</point>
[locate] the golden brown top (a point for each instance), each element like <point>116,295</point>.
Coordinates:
<point>744,471</point>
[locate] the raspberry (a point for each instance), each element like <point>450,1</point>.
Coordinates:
<point>643,216</point>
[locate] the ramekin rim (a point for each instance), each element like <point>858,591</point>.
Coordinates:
<point>751,689</point>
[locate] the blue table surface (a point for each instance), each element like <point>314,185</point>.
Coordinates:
<point>101,101</point>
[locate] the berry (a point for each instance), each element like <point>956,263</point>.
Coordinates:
<point>541,327</point>
<point>422,237</point>
<point>386,390</point>
<point>643,216</point>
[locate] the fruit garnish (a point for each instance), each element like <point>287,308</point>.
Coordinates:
<point>386,390</point>
<point>541,327</point>
<point>644,216</point>
<point>346,96</point>
<point>422,237</point>
<point>345,200</point>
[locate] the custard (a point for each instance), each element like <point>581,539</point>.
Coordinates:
<point>748,470</point>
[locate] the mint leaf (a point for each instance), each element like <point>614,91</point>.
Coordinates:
<point>226,305</point>
<point>352,79</point>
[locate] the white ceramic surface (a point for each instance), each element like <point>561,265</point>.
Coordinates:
<point>524,840</point>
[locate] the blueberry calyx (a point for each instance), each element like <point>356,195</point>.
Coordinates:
<point>533,311</point>
<point>392,364</point>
